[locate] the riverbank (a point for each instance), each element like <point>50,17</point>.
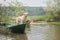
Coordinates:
<point>44,22</point>
<point>54,23</point>
<point>38,23</point>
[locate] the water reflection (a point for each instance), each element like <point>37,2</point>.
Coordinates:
<point>44,32</point>
<point>13,37</point>
<point>20,37</point>
<point>57,32</point>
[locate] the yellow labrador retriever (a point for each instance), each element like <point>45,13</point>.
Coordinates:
<point>22,18</point>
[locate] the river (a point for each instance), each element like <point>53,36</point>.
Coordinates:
<point>38,32</point>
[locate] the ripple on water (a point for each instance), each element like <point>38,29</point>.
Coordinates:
<point>41,33</point>
<point>4,37</point>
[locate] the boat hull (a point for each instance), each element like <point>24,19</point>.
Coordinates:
<point>18,28</point>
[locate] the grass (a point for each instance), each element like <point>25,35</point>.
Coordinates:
<point>37,17</point>
<point>54,23</point>
<point>41,17</point>
<point>6,18</point>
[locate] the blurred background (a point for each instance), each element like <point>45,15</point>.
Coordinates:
<point>44,13</point>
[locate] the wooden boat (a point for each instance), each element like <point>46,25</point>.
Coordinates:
<point>18,28</point>
<point>15,27</point>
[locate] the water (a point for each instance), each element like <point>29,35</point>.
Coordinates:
<point>38,32</point>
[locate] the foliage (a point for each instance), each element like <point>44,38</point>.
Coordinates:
<point>53,9</point>
<point>16,6</point>
<point>12,10</point>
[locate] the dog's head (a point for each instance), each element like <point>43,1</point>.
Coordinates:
<point>25,14</point>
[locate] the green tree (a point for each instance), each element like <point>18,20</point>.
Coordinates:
<point>14,8</point>
<point>53,8</point>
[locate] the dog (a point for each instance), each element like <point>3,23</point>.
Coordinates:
<point>21,19</point>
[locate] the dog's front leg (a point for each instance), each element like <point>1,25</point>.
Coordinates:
<point>17,20</point>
